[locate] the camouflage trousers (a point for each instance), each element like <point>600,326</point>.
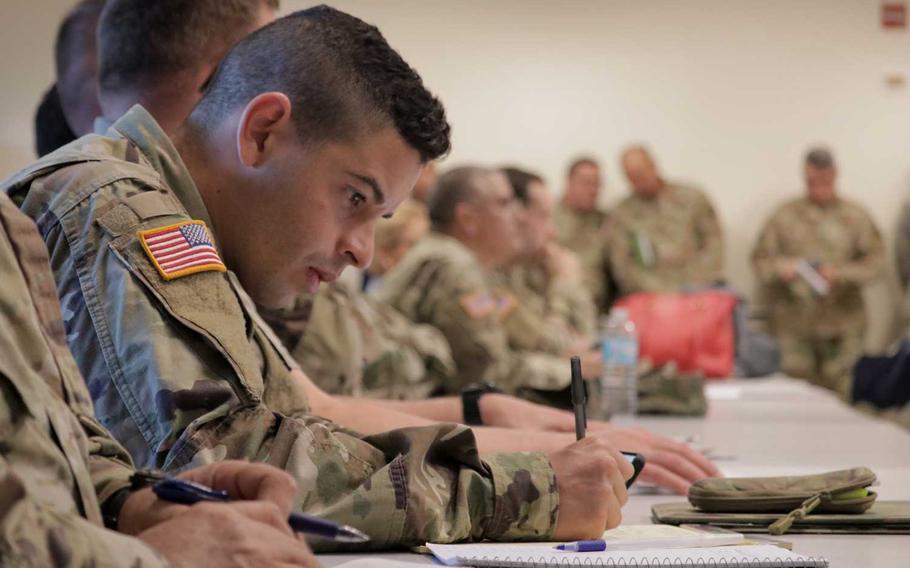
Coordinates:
<point>825,361</point>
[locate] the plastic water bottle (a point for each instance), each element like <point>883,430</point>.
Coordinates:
<point>619,384</point>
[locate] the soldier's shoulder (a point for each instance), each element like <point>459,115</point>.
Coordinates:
<point>444,252</point>
<point>794,206</point>
<point>689,192</point>
<point>854,207</point>
<point>79,171</point>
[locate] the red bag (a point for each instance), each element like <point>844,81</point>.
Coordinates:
<point>695,330</point>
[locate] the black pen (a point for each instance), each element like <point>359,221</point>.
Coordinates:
<point>579,398</point>
<point>187,492</point>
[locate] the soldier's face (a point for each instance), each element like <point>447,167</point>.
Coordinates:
<point>315,213</point>
<point>537,219</point>
<point>583,187</point>
<point>820,184</point>
<point>642,174</point>
<point>497,226</point>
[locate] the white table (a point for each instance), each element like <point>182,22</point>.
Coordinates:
<point>780,426</point>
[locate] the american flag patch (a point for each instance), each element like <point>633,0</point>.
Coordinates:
<point>181,249</point>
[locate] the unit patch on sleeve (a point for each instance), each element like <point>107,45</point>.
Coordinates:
<point>181,249</point>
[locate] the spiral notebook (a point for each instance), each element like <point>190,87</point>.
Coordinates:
<point>541,555</point>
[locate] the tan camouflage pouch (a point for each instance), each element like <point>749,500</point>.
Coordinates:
<point>840,492</point>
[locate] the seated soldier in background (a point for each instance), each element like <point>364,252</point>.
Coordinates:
<point>444,281</point>
<point>813,257</point>
<point>66,483</point>
<point>664,237</point>
<point>394,238</point>
<point>546,278</point>
<point>261,183</point>
<point>580,227</point>
<point>70,106</point>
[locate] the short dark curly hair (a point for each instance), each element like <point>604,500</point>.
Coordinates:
<point>340,75</point>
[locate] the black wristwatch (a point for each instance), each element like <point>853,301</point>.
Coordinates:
<point>110,510</point>
<point>470,402</point>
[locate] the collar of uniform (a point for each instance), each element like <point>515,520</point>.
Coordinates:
<point>812,204</point>
<point>436,240</point>
<point>139,126</point>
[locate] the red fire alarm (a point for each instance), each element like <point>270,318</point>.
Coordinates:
<point>894,15</point>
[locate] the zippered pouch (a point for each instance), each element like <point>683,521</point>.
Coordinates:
<point>844,492</point>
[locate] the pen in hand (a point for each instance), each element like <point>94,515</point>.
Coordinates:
<point>188,492</point>
<point>579,398</point>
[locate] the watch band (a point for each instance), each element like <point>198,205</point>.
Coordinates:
<point>110,510</point>
<point>470,402</point>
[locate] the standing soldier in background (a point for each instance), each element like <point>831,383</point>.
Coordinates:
<point>664,237</point>
<point>580,227</point>
<point>813,256</point>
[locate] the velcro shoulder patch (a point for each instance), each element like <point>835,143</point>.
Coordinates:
<point>478,304</point>
<point>181,249</point>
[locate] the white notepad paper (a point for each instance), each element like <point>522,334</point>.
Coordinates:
<point>542,555</point>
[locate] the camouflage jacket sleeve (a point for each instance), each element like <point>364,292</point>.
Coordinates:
<point>768,258</point>
<point>185,373</point>
<point>34,532</point>
<point>902,246</point>
<point>626,265</point>
<point>570,301</point>
<point>450,292</point>
<point>56,463</point>
<point>708,264</point>
<point>869,258</point>
<point>356,346</point>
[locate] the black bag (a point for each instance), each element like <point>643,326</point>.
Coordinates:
<point>883,381</point>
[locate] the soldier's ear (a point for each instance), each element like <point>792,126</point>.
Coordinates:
<point>265,121</point>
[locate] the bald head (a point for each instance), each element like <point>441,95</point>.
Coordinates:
<point>641,171</point>
<point>476,206</point>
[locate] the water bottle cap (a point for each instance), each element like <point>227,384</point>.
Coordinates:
<point>622,313</point>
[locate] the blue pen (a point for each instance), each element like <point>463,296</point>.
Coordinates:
<point>187,492</point>
<point>583,546</point>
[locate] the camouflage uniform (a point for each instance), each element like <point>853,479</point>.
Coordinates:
<point>357,346</point>
<point>902,246</point>
<point>820,336</point>
<point>439,282</point>
<point>584,233</point>
<point>184,372</point>
<point>665,243</point>
<point>56,462</point>
<point>563,308</point>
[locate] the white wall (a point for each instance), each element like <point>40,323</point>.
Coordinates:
<point>727,93</point>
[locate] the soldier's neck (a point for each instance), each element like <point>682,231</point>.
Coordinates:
<point>203,162</point>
